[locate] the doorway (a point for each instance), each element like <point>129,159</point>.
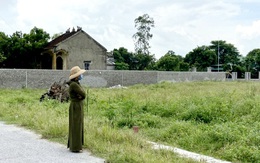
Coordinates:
<point>59,63</point>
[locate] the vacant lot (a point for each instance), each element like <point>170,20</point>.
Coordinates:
<point>219,119</point>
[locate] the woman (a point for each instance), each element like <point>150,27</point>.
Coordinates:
<point>76,117</point>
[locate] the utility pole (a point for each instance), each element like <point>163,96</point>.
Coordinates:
<point>218,55</point>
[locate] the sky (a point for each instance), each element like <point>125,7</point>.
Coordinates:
<point>179,25</point>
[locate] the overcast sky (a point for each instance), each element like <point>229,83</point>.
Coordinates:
<point>180,25</point>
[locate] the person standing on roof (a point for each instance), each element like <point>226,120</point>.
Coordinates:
<point>76,111</point>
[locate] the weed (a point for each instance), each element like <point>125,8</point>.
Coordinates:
<point>220,119</point>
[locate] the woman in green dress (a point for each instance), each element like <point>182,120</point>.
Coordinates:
<point>76,110</point>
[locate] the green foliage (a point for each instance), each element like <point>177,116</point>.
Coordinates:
<point>50,119</point>
<point>36,39</point>
<point>130,61</point>
<point>2,58</point>
<point>219,119</point>
<point>23,50</point>
<point>168,62</point>
<point>143,24</point>
<point>121,66</point>
<point>125,113</point>
<point>124,59</point>
<point>218,52</point>
<point>228,53</point>
<point>184,66</point>
<point>144,61</point>
<point>201,58</point>
<point>3,46</point>
<point>240,69</point>
<point>252,62</point>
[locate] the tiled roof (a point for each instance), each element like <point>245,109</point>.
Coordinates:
<point>59,39</point>
<point>65,36</point>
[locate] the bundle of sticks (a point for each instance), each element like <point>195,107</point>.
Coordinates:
<point>58,91</point>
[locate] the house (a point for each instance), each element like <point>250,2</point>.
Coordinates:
<point>72,48</point>
<point>110,61</point>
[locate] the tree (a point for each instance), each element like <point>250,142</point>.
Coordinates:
<point>227,54</point>
<point>121,66</point>
<point>142,36</point>
<point>229,57</point>
<point>16,57</point>
<point>36,40</point>
<point>168,62</point>
<point>130,61</point>
<point>25,49</point>
<point>144,62</point>
<point>201,58</point>
<point>252,62</point>
<point>124,59</point>
<point>4,39</point>
<point>2,58</point>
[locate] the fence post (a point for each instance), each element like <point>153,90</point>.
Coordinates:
<point>122,82</point>
<point>234,75</point>
<point>194,69</point>
<point>247,75</point>
<point>26,79</point>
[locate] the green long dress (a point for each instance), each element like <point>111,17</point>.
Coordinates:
<point>76,116</point>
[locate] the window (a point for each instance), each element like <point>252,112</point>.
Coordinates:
<point>87,64</point>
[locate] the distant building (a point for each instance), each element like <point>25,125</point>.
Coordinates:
<point>217,68</point>
<point>110,61</point>
<point>75,47</point>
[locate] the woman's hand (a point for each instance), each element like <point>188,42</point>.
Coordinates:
<point>79,96</point>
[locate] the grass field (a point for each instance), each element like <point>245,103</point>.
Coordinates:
<point>218,119</point>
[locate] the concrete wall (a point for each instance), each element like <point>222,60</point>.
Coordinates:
<point>35,78</point>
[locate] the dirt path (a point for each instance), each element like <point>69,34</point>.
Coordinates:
<point>19,145</point>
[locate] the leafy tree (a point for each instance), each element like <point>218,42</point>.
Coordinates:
<point>2,58</point>
<point>36,40</point>
<point>168,62</point>
<point>140,60</point>
<point>201,58</point>
<point>4,39</point>
<point>144,62</point>
<point>16,57</point>
<point>124,59</point>
<point>130,61</point>
<point>121,66</point>
<point>142,36</point>
<point>227,54</point>
<point>240,69</point>
<point>25,49</point>
<point>184,66</point>
<point>252,62</point>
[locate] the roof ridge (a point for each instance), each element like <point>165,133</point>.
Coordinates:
<point>60,38</point>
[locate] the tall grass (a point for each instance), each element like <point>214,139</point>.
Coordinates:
<point>220,119</point>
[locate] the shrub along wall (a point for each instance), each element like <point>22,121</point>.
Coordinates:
<point>37,78</point>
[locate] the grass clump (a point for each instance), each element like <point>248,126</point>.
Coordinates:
<point>219,119</point>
